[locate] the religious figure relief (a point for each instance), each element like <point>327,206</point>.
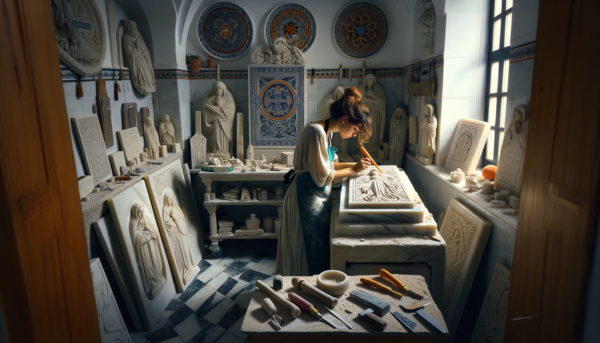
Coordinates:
<point>151,138</point>
<point>166,130</point>
<point>428,134</point>
<point>463,145</point>
<point>375,189</point>
<point>374,98</point>
<point>517,128</point>
<point>512,153</point>
<point>138,59</point>
<point>491,323</point>
<point>338,92</point>
<point>379,187</point>
<point>176,227</point>
<point>280,52</point>
<point>145,239</point>
<point>398,133</point>
<point>219,114</point>
<point>427,25</point>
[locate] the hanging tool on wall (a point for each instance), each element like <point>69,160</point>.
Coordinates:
<point>340,71</point>
<point>350,73</point>
<point>79,88</point>
<point>308,307</point>
<point>312,76</point>
<point>387,275</point>
<point>117,86</point>
<point>364,66</point>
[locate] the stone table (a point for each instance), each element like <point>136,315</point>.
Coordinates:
<point>306,328</point>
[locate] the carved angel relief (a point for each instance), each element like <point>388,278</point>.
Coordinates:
<point>280,52</point>
<point>375,189</point>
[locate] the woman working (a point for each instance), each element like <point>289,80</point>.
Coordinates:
<point>304,239</point>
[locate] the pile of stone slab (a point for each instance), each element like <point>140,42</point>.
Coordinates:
<point>225,228</point>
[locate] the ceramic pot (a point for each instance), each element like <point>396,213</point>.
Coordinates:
<point>211,63</point>
<point>333,282</point>
<point>195,64</point>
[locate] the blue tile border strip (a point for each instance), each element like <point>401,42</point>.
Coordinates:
<point>107,73</point>
<point>521,53</point>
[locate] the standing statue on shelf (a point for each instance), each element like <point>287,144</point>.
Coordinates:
<point>151,138</point>
<point>138,59</point>
<point>398,132</point>
<point>428,134</point>
<point>166,130</point>
<point>427,25</point>
<point>219,113</point>
<point>374,98</point>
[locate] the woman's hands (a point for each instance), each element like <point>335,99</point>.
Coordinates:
<point>361,165</point>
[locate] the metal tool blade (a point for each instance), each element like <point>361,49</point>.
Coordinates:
<point>431,320</point>
<point>338,316</point>
<point>404,320</point>
<point>321,318</point>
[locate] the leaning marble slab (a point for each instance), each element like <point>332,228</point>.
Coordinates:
<point>467,145</point>
<point>180,230</point>
<point>491,323</point>
<point>130,143</point>
<point>112,325</point>
<point>107,235</point>
<point>92,147</point>
<point>143,249</point>
<point>117,159</point>
<point>384,215</point>
<point>373,189</point>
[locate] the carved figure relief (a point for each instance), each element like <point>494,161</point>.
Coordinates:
<point>138,59</point>
<point>491,323</point>
<point>374,189</point>
<point>460,233</point>
<point>80,35</point>
<point>151,138</point>
<point>280,52</point>
<point>512,153</point>
<point>374,98</point>
<point>131,144</point>
<point>129,115</point>
<point>427,25</point>
<point>166,130</point>
<point>198,153</point>
<point>92,147</point>
<point>329,99</point>
<point>398,133</point>
<point>467,145</point>
<point>428,135</point>
<point>112,325</point>
<point>219,115</point>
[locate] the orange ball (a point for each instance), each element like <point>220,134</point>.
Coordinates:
<point>489,172</point>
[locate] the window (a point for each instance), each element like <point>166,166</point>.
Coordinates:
<point>497,77</point>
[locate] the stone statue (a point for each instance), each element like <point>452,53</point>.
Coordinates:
<point>250,152</point>
<point>219,114</point>
<point>380,188</point>
<point>212,161</point>
<point>138,59</point>
<point>374,98</point>
<point>151,138</point>
<point>428,134</point>
<point>166,130</point>
<point>398,133</point>
<point>281,52</point>
<point>329,99</point>
<point>148,256</point>
<point>176,227</point>
<point>427,25</point>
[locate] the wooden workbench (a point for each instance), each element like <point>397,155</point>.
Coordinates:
<point>308,329</point>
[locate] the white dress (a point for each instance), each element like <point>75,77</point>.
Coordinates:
<point>310,156</point>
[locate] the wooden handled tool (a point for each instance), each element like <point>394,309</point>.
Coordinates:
<point>376,284</point>
<point>366,153</point>
<point>369,316</point>
<point>308,307</point>
<point>271,310</point>
<point>387,275</point>
<point>301,284</point>
<point>283,301</point>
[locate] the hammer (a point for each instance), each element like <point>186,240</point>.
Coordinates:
<point>301,284</point>
<point>369,316</point>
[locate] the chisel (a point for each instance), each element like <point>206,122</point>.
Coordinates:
<point>308,307</point>
<point>380,286</point>
<point>385,274</point>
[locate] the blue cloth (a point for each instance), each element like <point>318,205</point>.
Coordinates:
<point>314,206</point>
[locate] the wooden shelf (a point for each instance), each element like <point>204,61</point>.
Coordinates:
<point>223,202</point>
<point>270,235</point>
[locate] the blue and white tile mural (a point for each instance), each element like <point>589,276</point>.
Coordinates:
<point>277,104</point>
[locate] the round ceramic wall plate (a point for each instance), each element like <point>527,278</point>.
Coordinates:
<point>361,30</point>
<point>225,30</point>
<point>294,22</point>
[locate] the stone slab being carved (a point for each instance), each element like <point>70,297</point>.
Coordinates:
<point>280,52</point>
<point>92,147</point>
<point>467,145</point>
<point>219,116</point>
<point>112,325</point>
<point>427,25</point>
<point>107,235</point>
<point>104,115</point>
<point>117,159</point>
<point>143,251</point>
<point>129,115</point>
<point>130,143</point>
<point>86,185</point>
<point>371,188</point>
<point>137,58</point>
<point>491,322</point>
<point>398,131</point>
<point>374,97</point>
<point>151,137</point>
<point>166,131</point>
<point>80,35</point>
<point>512,153</point>
<point>413,130</point>
<point>181,233</point>
<point>466,234</point>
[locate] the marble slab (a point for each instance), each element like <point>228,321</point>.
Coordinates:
<point>146,262</point>
<point>107,235</point>
<point>86,185</point>
<point>130,143</point>
<point>467,145</point>
<point>92,147</point>
<point>372,189</point>
<point>180,229</point>
<point>491,322</point>
<point>117,159</point>
<point>112,325</point>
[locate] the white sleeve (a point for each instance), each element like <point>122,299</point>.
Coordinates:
<point>315,157</point>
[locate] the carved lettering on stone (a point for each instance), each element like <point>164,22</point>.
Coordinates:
<point>129,115</point>
<point>92,147</point>
<point>130,143</point>
<point>491,323</point>
<point>280,52</point>
<point>512,153</point>
<point>80,35</point>
<point>398,131</point>
<point>151,138</point>
<point>374,189</point>
<point>467,145</point>
<point>104,115</point>
<point>137,57</point>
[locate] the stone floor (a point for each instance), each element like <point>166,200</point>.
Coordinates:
<point>212,308</point>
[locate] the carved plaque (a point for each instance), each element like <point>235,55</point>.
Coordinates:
<point>92,147</point>
<point>467,145</point>
<point>129,115</point>
<point>512,154</point>
<point>372,189</point>
<point>492,318</point>
<point>198,150</point>
<point>398,131</point>
<point>130,143</point>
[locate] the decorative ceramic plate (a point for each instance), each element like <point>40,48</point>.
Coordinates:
<point>361,30</point>
<point>293,22</point>
<point>225,30</point>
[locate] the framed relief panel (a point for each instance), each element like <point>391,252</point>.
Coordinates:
<point>467,145</point>
<point>92,147</point>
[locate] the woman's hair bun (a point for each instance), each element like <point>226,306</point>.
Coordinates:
<point>353,92</point>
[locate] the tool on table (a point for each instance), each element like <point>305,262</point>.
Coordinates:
<point>379,306</point>
<point>404,320</point>
<point>366,153</point>
<point>421,312</point>
<point>301,284</point>
<point>283,301</point>
<point>271,310</point>
<point>387,275</point>
<point>414,306</point>
<point>340,318</point>
<point>277,282</point>
<point>308,307</point>
<point>376,284</point>
<point>373,319</point>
